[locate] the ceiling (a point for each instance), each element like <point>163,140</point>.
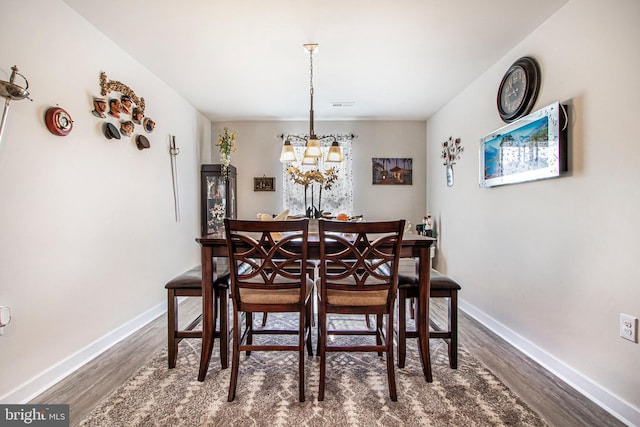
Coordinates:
<point>244,59</point>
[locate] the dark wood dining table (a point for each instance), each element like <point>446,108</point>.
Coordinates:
<point>214,246</point>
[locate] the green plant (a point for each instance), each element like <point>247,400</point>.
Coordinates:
<point>226,145</point>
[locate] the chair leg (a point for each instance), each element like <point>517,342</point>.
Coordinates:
<point>308,325</point>
<point>235,359</point>
<point>249,318</point>
<point>172,327</point>
<point>302,327</point>
<point>402,327</point>
<point>391,374</point>
<point>379,331</point>
<point>322,337</point>
<point>264,319</point>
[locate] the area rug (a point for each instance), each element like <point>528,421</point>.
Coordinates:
<point>356,392</point>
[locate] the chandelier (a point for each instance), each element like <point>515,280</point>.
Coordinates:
<point>313,149</point>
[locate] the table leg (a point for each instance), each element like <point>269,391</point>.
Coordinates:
<point>207,311</point>
<point>422,318</point>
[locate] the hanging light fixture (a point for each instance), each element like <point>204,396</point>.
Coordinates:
<point>287,154</point>
<point>313,143</point>
<point>335,153</point>
<point>313,149</point>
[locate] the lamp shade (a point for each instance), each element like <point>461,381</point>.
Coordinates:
<point>335,153</point>
<point>313,147</point>
<point>287,154</point>
<point>308,160</point>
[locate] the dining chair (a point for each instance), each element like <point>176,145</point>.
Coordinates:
<point>441,286</point>
<point>268,267</point>
<point>189,284</point>
<point>353,282</point>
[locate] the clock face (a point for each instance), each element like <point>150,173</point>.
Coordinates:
<point>518,89</point>
<point>513,91</point>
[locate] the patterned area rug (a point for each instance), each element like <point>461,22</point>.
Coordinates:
<point>356,392</point>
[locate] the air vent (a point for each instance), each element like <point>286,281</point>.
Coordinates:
<point>343,104</point>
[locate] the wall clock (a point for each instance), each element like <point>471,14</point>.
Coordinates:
<point>518,89</point>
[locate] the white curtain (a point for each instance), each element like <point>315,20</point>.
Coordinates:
<point>337,199</point>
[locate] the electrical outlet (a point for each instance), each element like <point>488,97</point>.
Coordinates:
<point>629,327</point>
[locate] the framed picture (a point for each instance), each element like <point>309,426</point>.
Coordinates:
<point>531,148</point>
<point>264,184</point>
<point>392,171</point>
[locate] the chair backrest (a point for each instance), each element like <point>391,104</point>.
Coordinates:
<point>360,256</point>
<point>267,254</point>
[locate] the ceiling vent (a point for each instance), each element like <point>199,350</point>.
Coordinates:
<point>343,104</point>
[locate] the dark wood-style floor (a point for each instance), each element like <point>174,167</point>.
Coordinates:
<point>555,401</point>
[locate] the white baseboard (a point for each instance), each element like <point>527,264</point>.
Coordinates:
<point>37,385</point>
<point>617,407</point>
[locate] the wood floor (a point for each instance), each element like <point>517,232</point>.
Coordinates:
<point>555,401</point>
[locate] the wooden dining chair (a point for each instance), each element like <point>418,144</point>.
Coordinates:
<point>268,266</point>
<point>441,286</point>
<point>353,282</point>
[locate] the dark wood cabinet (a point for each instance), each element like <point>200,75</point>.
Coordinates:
<point>218,197</point>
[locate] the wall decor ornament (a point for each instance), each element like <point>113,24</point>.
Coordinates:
<point>118,101</point>
<point>126,127</point>
<point>148,125</point>
<point>265,183</point>
<point>531,148</point>
<point>392,171</point>
<point>107,86</point>
<point>11,91</point>
<point>142,142</point>
<point>173,152</point>
<point>99,107</point>
<point>111,131</point>
<point>518,89</point>
<point>58,121</point>
<point>451,150</point>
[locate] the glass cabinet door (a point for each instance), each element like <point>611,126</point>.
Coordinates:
<point>218,197</point>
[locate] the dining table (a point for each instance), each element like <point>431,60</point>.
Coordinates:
<point>214,246</point>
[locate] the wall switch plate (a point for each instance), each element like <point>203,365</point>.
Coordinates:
<point>629,327</point>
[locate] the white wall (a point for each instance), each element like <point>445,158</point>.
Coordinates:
<point>555,262</point>
<point>259,151</point>
<point>87,224</point>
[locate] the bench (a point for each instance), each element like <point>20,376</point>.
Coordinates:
<point>189,284</point>
<point>441,287</point>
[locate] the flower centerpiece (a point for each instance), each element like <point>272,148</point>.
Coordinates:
<point>324,180</point>
<point>226,145</point>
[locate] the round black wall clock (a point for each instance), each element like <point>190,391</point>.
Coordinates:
<point>518,89</point>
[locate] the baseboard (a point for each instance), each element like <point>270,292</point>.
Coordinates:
<point>34,387</point>
<point>602,397</point>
